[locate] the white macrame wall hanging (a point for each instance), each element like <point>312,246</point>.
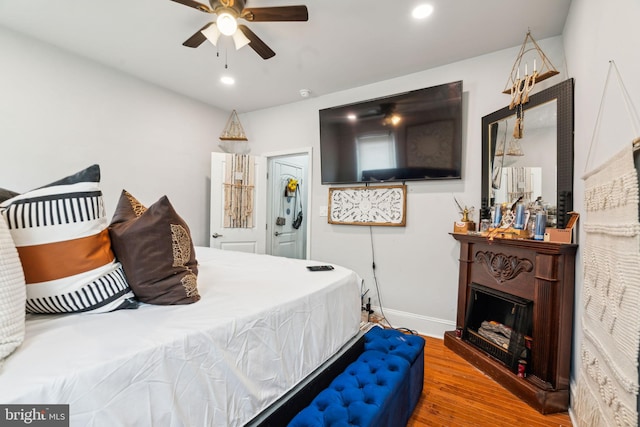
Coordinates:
<point>239,191</point>
<point>607,384</point>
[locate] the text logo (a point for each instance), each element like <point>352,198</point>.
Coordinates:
<point>34,415</point>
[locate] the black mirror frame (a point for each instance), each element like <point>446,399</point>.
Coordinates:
<point>563,94</point>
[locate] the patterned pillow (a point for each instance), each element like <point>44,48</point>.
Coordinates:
<point>12,294</point>
<point>156,251</point>
<point>60,231</point>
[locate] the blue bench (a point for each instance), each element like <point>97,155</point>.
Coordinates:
<point>381,388</point>
<point>410,347</point>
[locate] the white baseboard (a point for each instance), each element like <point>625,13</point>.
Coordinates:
<point>424,325</point>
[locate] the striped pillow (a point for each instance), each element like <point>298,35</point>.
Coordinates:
<point>60,231</point>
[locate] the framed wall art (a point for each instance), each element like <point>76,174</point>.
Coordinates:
<point>379,205</point>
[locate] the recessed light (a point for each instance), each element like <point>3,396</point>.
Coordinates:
<point>227,80</point>
<point>352,117</point>
<point>422,11</point>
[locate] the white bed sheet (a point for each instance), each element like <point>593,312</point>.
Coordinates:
<point>263,324</point>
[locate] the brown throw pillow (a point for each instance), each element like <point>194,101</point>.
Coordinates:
<point>7,194</point>
<point>155,249</point>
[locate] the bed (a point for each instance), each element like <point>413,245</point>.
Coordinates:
<point>261,326</point>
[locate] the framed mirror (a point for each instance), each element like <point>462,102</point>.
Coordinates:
<point>540,164</point>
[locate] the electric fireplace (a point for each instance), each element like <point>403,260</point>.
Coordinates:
<point>499,324</point>
<point>515,315</point>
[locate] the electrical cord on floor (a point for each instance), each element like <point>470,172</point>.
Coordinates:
<point>375,281</point>
<point>407,330</point>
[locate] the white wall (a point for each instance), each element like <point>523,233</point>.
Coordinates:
<point>416,265</point>
<point>595,33</point>
<point>60,113</point>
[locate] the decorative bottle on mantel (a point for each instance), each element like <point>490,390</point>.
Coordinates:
<point>537,220</point>
<point>520,216</point>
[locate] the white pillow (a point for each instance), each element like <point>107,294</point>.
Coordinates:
<point>13,295</point>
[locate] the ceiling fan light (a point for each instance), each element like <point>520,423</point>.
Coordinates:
<point>227,24</point>
<point>392,119</point>
<point>212,33</point>
<point>422,11</point>
<point>240,40</point>
<point>227,80</point>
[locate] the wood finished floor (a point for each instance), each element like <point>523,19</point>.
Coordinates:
<point>457,394</point>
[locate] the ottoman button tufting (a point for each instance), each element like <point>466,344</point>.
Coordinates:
<point>379,389</point>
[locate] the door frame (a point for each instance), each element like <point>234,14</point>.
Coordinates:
<point>308,179</point>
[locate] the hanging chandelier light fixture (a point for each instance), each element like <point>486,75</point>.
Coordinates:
<point>521,82</point>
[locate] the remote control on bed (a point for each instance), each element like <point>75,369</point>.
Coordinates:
<point>320,267</point>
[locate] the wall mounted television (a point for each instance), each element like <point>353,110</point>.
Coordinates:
<point>415,135</point>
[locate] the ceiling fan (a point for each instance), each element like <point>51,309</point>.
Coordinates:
<point>229,11</point>
<point>387,111</point>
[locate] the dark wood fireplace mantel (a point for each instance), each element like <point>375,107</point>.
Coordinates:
<point>542,272</point>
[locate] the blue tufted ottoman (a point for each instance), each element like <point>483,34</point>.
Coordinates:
<point>378,389</point>
<point>411,347</point>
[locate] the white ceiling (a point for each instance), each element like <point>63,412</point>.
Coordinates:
<point>345,43</point>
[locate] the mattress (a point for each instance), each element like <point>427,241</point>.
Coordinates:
<point>263,324</point>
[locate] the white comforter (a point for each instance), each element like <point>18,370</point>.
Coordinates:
<point>262,325</point>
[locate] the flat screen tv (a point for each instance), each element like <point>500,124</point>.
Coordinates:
<point>415,135</point>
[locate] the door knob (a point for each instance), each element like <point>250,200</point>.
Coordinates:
<point>216,235</point>
<point>277,233</point>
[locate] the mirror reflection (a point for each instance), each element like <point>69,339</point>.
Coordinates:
<point>525,169</point>
<point>537,167</point>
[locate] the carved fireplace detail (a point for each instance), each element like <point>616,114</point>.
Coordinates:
<point>503,267</point>
<point>538,276</point>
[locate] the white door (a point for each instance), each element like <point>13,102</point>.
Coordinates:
<point>283,239</point>
<point>246,233</point>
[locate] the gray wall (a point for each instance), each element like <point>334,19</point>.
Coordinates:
<point>416,265</point>
<point>60,113</point>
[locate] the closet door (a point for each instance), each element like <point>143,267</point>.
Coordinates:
<point>283,239</point>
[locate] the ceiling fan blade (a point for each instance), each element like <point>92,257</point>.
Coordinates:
<point>256,43</point>
<point>279,13</point>
<point>198,38</point>
<point>194,4</point>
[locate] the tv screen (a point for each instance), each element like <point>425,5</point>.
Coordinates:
<point>415,135</point>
